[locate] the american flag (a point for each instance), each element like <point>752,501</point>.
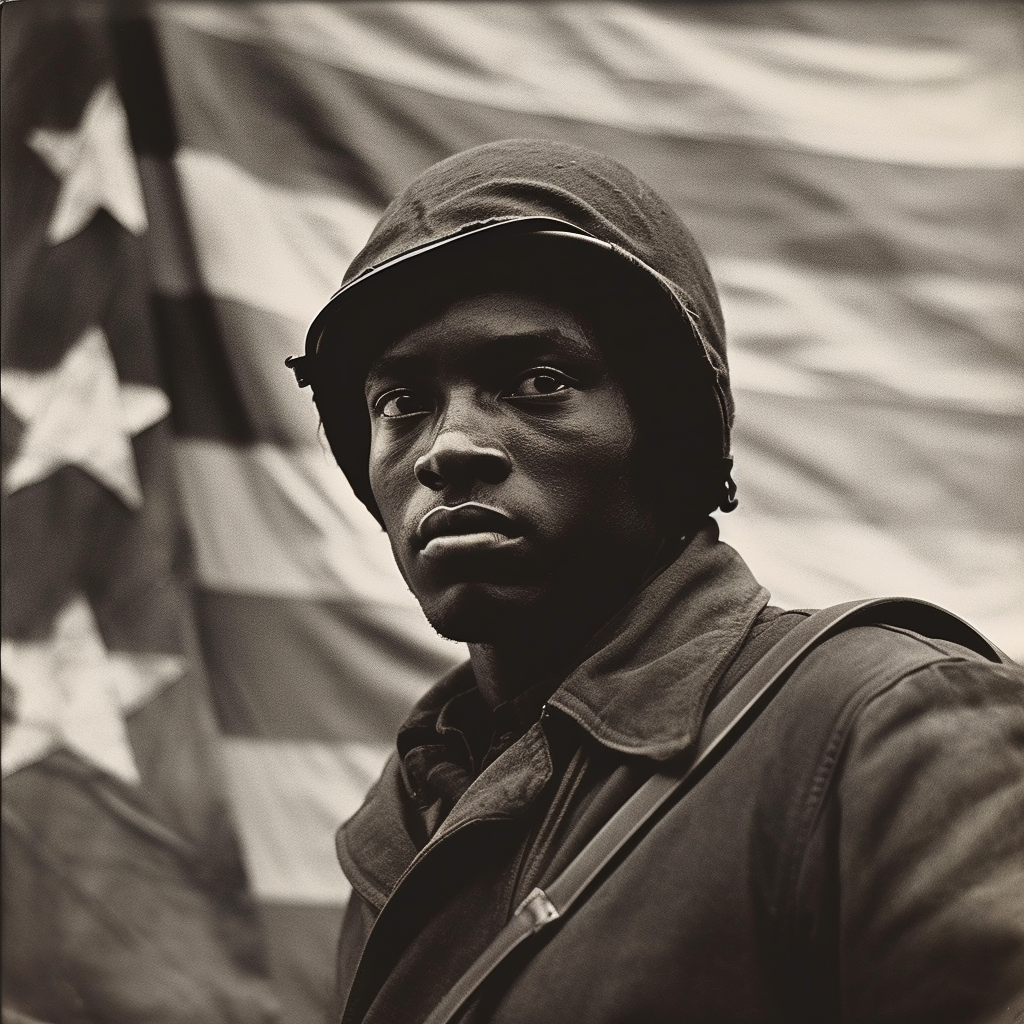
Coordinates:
<point>183,191</point>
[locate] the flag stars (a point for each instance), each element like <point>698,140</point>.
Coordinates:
<point>80,414</point>
<point>69,691</point>
<point>95,166</point>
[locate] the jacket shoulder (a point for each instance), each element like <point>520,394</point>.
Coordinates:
<point>897,683</point>
<point>863,660</point>
<point>860,665</point>
<point>855,660</point>
<point>918,794</point>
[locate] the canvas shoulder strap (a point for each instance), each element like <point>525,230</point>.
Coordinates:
<point>723,726</point>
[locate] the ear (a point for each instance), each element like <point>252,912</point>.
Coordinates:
<point>346,425</point>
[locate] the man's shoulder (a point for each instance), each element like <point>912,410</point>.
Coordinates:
<point>873,657</point>
<point>883,700</point>
<point>905,679</point>
<point>860,665</point>
<point>861,653</point>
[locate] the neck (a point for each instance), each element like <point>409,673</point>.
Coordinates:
<point>552,646</point>
<point>504,670</point>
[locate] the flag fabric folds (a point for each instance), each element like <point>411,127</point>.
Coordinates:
<point>853,173</point>
<point>124,892</point>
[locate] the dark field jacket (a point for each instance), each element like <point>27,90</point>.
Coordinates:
<point>857,856</point>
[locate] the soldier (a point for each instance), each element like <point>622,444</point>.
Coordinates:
<point>524,378</point>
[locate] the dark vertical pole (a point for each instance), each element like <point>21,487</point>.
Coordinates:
<point>205,399</point>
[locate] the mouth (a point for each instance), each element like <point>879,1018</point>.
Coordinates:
<point>464,527</point>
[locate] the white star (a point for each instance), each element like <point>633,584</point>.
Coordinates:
<point>80,414</point>
<point>70,691</point>
<point>95,166</point>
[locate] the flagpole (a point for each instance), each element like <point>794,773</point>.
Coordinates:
<point>191,345</point>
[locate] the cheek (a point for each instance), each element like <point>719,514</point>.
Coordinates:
<point>605,443</point>
<point>390,478</point>
<point>587,463</point>
<point>385,473</point>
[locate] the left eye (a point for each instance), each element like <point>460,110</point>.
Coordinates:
<point>541,382</point>
<point>400,403</point>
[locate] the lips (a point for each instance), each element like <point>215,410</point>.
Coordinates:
<point>466,520</point>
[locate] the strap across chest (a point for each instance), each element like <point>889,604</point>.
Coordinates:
<point>723,726</point>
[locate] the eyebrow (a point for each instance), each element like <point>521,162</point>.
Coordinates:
<point>395,366</point>
<point>505,344</point>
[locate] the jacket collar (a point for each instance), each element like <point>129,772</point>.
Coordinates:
<point>646,676</point>
<point>644,687</point>
<point>641,690</point>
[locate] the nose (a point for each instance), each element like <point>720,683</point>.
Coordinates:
<point>455,459</point>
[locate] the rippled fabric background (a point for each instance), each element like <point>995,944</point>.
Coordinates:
<point>182,193</point>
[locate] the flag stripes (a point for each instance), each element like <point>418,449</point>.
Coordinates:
<point>603,65</point>
<point>269,521</point>
<point>320,670</point>
<point>124,895</point>
<point>749,199</point>
<point>299,242</point>
<point>854,176</point>
<point>832,557</point>
<point>258,342</point>
<point>279,788</point>
<point>904,342</point>
<point>303,940</point>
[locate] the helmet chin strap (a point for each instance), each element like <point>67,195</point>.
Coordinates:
<point>302,367</point>
<point>730,501</point>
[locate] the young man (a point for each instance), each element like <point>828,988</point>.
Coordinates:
<point>524,378</point>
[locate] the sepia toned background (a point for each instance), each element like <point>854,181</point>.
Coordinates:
<point>206,647</point>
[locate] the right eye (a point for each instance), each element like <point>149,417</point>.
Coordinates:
<point>399,403</point>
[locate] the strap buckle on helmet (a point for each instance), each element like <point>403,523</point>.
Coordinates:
<point>302,367</point>
<point>730,501</point>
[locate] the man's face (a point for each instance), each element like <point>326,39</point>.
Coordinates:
<point>501,459</point>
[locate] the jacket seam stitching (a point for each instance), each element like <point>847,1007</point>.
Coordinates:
<point>814,801</point>
<point>627,743</point>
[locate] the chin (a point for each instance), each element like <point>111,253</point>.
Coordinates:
<point>482,613</point>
